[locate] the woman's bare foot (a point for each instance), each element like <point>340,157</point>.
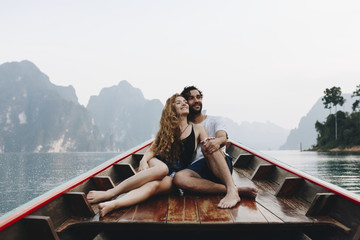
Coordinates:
<point>106,207</point>
<point>249,192</point>
<point>230,200</point>
<point>98,196</point>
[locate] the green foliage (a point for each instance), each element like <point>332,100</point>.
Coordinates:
<point>347,126</point>
<point>348,131</point>
<point>333,97</point>
<point>356,93</point>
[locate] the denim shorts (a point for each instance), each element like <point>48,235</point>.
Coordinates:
<point>201,168</point>
<point>173,168</point>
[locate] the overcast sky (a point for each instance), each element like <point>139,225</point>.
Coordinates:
<point>258,60</point>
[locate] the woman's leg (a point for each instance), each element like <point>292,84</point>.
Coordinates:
<point>137,195</point>
<point>157,170</point>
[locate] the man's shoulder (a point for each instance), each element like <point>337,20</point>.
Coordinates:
<point>197,125</point>
<point>212,118</point>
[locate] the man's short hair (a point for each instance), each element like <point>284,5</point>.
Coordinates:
<point>186,92</point>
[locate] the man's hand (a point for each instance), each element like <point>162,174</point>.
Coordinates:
<point>210,145</point>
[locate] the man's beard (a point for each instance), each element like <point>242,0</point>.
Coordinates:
<point>194,112</point>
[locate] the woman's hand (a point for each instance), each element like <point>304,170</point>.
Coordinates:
<point>143,165</point>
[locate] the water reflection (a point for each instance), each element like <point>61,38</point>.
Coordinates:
<point>341,169</point>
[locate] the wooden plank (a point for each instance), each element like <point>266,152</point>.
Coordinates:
<point>14,231</point>
<point>281,209</point>
<point>289,187</point>
<point>182,209</point>
<point>357,233</point>
<point>247,211</point>
<point>68,223</point>
<point>234,151</point>
<point>136,158</point>
<point>78,204</point>
<point>262,171</point>
<point>321,204</point>
<point>242,181</point>
<point>270,217</point>
<point>296,203</point>
<point>124,170</point>
<point>84,187</point>
<point>125,214</point>
<point>245,172</point>
<point>256,162</point>
<point>278,175</point>
<point>120,215</point>
<point>243,160</point>
<point>40,227</point>
<point>103,183</point>
<point>327,219</point>
<point>210,213</point>
<point>287,210</point>
<point>152,210</point>
<point>58,210</point>
<point>308,191</point>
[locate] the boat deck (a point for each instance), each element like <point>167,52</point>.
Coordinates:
<point>288,206</point>
<point>190,213</point>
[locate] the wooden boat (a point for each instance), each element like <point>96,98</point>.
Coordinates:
<point>290,205</point>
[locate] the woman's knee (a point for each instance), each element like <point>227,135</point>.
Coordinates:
<point>163,170</point>
<point>159,168</point>
<point>153,186</point>
<point>181,179</point>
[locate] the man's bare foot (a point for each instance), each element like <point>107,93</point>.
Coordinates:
<point>106,207</point>
<point>230,200</point>
<point>98,196</point>
<point>249,192</point>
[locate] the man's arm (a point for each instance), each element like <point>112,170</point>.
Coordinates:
<point>221,137</point>
<point>213,144</point>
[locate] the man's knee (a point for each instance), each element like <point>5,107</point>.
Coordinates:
<point>217,155</point>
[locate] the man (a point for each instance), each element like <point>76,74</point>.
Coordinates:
<point>210,171</point>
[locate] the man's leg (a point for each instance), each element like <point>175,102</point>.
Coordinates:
<point>189,180</point>
<point>217,163</point>
<point>196,179</point>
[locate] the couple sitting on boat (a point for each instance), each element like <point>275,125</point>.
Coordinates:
<point>182,154</point>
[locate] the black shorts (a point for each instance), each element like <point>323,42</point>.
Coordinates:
<point>205,172</point>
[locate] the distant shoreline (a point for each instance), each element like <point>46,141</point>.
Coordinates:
<point>349,149</point>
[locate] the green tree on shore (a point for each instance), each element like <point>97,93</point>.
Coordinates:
<point>331,99</point>
<point>347,124</point>
<point>356,93</point>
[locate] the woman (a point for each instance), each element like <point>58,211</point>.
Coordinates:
<point>171,151</point>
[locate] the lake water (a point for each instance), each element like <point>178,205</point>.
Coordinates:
<point>341,169</point>
<point>24,176</point>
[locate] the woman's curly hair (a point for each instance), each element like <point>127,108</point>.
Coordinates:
<point>167,143</point>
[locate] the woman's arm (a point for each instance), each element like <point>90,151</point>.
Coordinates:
<point>149,154</point>
<point>203,135</point>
